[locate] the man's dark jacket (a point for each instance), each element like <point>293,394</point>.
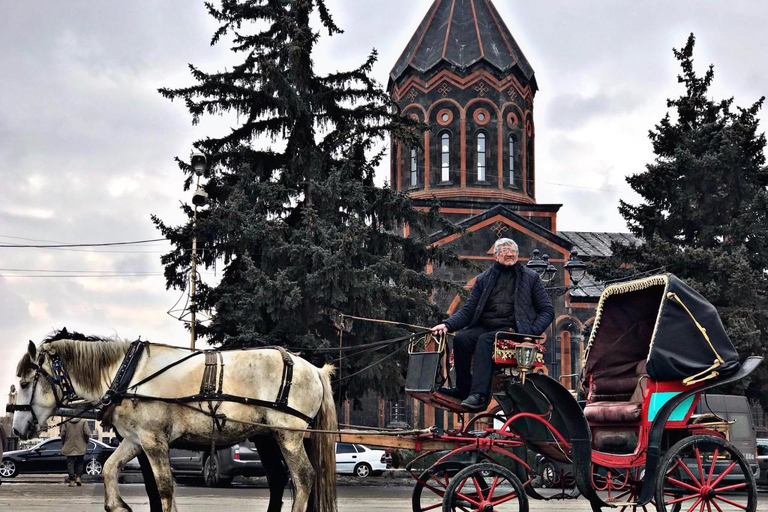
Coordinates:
<point>533,309</point>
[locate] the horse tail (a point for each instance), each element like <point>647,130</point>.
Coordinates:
<point>322,451</point>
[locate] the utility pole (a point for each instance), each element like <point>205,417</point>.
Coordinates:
<point>200,197</point>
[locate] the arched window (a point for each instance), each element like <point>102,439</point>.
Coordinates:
<point>529,167</point>
<point>445,152</point>
<point>414,168</point>
<point>512,156</point>
<point>480,157</point>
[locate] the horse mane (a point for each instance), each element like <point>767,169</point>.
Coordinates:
<point>86,357</point>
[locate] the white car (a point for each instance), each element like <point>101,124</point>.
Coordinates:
<point>361,461</point>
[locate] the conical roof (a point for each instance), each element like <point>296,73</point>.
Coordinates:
<point>462,32</point>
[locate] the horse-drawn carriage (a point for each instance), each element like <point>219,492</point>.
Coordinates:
<point>655,346</point>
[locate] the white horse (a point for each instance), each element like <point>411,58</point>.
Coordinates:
<point>48,373</point>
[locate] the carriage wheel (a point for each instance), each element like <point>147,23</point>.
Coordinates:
<point>705,473</point>
<point>430,488</point>
<point>485,487</point>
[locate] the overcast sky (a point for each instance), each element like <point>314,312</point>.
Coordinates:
<point>87,144</point>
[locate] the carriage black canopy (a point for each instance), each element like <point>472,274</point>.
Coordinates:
<point>663,324</point>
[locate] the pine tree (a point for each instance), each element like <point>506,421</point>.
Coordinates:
<point>704,215</point>
<point>294,214</point>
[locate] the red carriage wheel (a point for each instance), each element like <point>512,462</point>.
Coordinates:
<point>485,487</point>
<point>705,473</point>
<point>431,485</point>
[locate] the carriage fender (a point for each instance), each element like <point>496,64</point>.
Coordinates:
<point>578,434</point>
<point>653,453</point>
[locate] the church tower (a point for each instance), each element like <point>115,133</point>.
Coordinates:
<point>463,74</point>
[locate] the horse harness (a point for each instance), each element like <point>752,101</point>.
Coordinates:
<point>58,379</point>
<point>210,386</point>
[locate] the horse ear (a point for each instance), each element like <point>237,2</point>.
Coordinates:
<point>32,349</point>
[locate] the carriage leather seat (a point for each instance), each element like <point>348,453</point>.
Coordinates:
<point>617,400</point>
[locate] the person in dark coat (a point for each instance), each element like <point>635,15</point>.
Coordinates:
<point>506,297</point>
<point>75,435</point>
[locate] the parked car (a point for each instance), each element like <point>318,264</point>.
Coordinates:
<point>240,459</point>
<point>762,461</point>
<point>361,461</point>
<point>46,457</point>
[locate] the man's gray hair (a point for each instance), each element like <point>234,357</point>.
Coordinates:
<point>501,242</point>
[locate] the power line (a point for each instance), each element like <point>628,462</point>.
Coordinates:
<point>106,244</point>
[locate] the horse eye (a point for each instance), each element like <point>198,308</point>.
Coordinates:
<point>24,385</point>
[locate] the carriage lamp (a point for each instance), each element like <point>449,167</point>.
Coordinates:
<point>525,354</point>
<point>575,267</point>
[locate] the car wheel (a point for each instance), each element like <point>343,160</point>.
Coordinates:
<point>93,467</point>
<point>362,470</point>
<point>8,468</point>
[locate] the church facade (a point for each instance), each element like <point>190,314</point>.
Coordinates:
<point>465,77</point>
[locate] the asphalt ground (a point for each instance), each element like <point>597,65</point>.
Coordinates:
<point>34,493</point>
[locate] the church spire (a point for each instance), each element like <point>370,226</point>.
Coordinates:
<point>463,74</point>
<point>462,33</point>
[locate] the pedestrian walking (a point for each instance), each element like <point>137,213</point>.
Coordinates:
<point>74,442</point>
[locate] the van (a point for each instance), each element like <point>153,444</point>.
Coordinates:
<point>735,409</point>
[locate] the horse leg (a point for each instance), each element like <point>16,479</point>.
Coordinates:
<point>156,451</point>
<point>150,485</point>
<point>272,460</point>
<point>292,446</point>
<point>113,502</point>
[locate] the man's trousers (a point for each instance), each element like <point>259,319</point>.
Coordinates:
<point>477,341</point>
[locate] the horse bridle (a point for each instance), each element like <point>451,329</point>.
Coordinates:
<point>60,381</point>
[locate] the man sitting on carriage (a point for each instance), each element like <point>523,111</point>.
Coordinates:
<point>506,297</point>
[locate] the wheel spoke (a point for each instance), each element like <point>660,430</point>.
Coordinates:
<point>684,467</point>
<point>697,454</point>
<point>684,498</point>
<point>478,489</point>
<point>741,485</point>
<point>504,498</point>
<point>730,502</point>
<point>683,485</point>
<point>695,504</point>
<point>717,506</point>
<point>493,486</point>
<point>712,466</point>
<point>722,475</point>
<point>467,498</point>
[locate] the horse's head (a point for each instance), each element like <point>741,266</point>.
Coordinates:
<point>36,400</point>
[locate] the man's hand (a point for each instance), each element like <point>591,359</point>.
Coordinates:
<point>440,329</point>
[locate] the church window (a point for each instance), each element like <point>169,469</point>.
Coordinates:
<point>480,157</point>
<point>445,153</point>
<point>512,157</point>
<point>414,168</point>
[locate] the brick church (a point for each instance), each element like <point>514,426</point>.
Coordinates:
<point>464,75</point>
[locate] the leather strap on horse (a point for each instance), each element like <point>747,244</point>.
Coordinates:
<point>122,378</point>
<point>287,379</point>
<point>208,384</point>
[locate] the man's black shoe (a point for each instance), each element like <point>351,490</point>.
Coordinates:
<point>452,392</point>
<point>475,402</point>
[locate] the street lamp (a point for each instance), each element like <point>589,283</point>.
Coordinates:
<point>574,266</point>
<point>576,271</point>
<point>199,198</point>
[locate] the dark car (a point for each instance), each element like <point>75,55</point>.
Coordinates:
<point>240,459</point>
<point>46,457</point>
<point>762,460</point>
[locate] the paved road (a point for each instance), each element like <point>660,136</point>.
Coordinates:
<point>45,495</point>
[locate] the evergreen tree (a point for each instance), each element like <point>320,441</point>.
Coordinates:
<point>294,214</point>
<point>704,215</point>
